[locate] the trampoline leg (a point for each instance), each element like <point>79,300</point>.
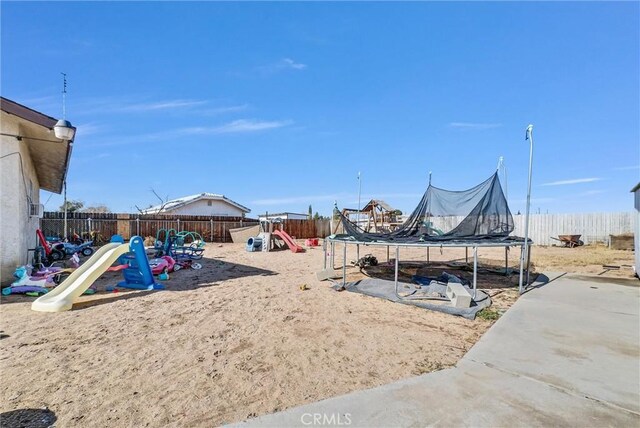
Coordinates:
<point>522,250</point>
<point>344,265</point>
<point>395,275</point>
<point>466,255</point>
<point>506,261</point>
<point>528,263</point>
<point>387,254</point>
<point>427,254</point>
<point>475,271</point>
<point>324,250</point>
<point>357,252</point>
<point>333,255</point>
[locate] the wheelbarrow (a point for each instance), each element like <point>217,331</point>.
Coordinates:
<point>569,240</point>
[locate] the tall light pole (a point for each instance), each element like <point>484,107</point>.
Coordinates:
<point>524,254</point>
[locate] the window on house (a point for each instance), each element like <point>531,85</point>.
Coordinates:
<point>209,203</point>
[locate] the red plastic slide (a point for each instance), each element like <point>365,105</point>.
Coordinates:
<point>289,241</point>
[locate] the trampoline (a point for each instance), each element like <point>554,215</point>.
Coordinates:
<point>478,217</point>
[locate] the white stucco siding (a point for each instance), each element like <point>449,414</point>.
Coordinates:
<point>202,207</point>
<point>17,228</point>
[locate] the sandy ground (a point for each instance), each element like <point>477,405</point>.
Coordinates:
<point>231,341</point>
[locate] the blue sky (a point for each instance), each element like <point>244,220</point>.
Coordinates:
<point>279,105</point>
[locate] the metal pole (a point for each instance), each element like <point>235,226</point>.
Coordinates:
<point>506,261</point>
<point>466,255</point>
<point>324,250</point>
<point>387,254</point>
<point>528,263</point>
<point>524,254</point>
<point>428,254</point>
<point>65,211</point>
<point>357,252</point>
<point>475,271</point>
<point>359,192</point>
<point>344,266</point>
<point>333,255</point>
<point>395,275</point>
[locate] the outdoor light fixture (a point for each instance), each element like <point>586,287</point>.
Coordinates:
<point>64,130</point>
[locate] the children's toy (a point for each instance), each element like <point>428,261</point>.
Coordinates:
<point>69,249</point>
<point>25,283</point>
<point>162,264</point>
<point>137,275</point>
<point>51,254</point>
<point>272,236</point>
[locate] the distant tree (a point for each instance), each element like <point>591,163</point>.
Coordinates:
<point>310,212</point>
<point>72,206</point>
<point>397,212</point>
<point>316,216</point>
<point>99,208</point>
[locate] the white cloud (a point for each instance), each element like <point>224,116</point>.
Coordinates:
<point>473,125</point>
<point>348,198</point>
<point>282,65</point>
<point>161,105</point>
<point>223,110</point>
<point>627,168</point>
<point>591,192</point>
<point>86,129</point>
<point>298,199</point>
<point>572,181</point>
<point>239,126</point>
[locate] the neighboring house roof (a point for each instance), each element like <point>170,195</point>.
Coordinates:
<point>186,200</point>
<point>50,155</point>
<point>636,187</point>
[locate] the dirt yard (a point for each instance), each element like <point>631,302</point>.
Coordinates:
<point>237,339</point>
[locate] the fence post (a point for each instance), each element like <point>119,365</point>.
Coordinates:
<point>138,226</point>
<point>224,231</point>
<point>211,231</point>
<point>178,229</point>
<point>89,224</point>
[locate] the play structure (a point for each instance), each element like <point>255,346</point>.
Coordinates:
<point>137,275</point>
<point>183,248</point>
<point>375,216</point>
<point>272,236</point>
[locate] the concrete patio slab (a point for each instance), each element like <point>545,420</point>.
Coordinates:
<point>566,354</point>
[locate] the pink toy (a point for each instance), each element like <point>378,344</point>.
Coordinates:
<point>163,264</point>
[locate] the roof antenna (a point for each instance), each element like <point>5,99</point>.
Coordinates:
<point>430,177</point>
<point>64,95</point>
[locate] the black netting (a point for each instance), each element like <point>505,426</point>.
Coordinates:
<point>480,213</point>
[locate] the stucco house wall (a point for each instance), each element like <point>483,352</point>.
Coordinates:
<point>202,207</point>
<point>17,228</point>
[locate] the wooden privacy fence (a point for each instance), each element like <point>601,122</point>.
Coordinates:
<point>594,227</point>
<point>212,229</point>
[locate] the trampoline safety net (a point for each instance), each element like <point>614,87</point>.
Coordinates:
<point>484,209</point>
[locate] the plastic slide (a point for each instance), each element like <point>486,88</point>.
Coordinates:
<point>289,241</point>
<point>61,298</point>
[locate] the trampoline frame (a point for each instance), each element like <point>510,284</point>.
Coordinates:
<point>449,244</point>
